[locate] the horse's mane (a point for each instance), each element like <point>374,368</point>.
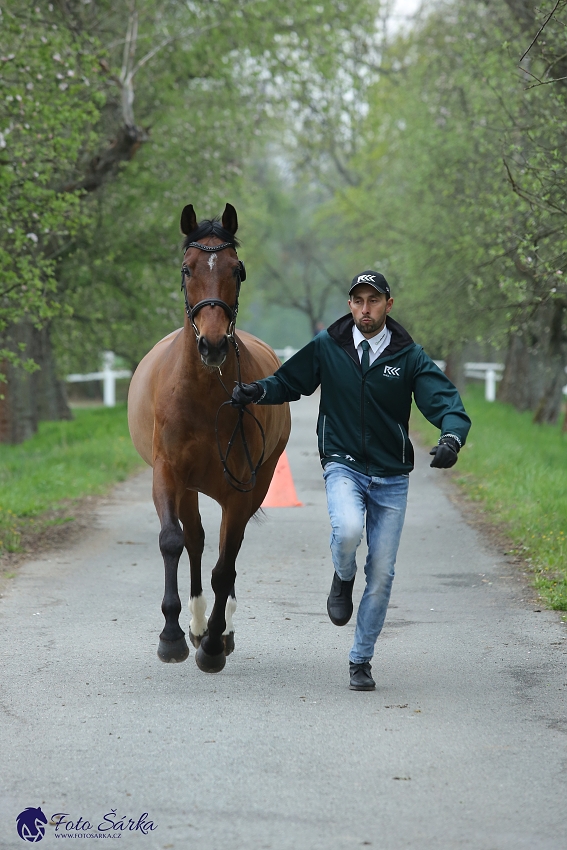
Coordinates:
<point>209,227</point>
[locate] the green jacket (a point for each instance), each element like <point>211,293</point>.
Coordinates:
<point>364,420</point>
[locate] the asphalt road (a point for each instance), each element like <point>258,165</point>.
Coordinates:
<point>462,745</point>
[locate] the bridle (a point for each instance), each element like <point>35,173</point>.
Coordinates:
<point>231,312</point>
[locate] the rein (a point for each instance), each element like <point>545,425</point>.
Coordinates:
<point>241,486</point>
<point>236,483</point>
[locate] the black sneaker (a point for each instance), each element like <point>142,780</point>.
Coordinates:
<point>360,677</point>
<point>339,603</point>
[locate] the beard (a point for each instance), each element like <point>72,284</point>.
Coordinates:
<point>370,327</point>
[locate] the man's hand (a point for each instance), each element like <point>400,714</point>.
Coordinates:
<point>244,394</point>
<point>445,454</point>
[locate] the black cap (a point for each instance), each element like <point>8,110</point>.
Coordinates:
<point>375,279</point>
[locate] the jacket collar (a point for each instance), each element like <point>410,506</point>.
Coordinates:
<point>341,333</point>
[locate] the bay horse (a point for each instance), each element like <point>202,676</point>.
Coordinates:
<point>179,428</point>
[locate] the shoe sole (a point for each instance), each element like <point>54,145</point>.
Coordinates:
<point>364,688</point>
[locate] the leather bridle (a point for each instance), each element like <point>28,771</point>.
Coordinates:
<point>231,312</point>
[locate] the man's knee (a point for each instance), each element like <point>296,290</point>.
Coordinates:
<point>347,534</point>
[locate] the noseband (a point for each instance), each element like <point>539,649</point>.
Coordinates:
<point>231,312</point>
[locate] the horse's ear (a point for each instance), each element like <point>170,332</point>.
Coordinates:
<point>188,220</point>
<point>230,219</point>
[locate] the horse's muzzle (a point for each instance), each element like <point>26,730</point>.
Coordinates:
<point>213,354</point>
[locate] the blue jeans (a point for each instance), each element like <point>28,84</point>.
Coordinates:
<point>350,495</point>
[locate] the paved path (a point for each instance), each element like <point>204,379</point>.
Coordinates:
<point>463,745</point>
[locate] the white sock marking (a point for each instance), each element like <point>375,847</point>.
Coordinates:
<point>198,622</point>
<point>229,611</point>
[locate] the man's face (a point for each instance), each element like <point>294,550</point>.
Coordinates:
<point>369,309</point>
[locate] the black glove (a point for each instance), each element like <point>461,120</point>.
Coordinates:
<point>445,454</point>
<point>244,394</point>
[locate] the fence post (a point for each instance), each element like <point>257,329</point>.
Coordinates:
<point>490,385</point>
<point>108,379</point>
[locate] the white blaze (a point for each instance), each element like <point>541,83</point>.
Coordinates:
<point>211,261</point>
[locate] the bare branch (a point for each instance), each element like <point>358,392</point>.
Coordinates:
<point>541,29</point>
<point>544,83</point>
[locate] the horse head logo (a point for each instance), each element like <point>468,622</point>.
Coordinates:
<point>31,824</point>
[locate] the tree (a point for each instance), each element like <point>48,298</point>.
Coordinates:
<point>178,82</point>
<point>296,259</point>
<point>48,105</point>
<point>457,191</point>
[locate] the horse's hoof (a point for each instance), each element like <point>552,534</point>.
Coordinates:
<point>209,663</point>
<point>196,639</point>
<point>228,641</point>
<point>173,651</point>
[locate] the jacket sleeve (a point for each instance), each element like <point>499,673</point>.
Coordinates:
<point>298,376</point>
<point>438,399</point>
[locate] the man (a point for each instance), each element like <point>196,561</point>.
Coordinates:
<point>368,367</point>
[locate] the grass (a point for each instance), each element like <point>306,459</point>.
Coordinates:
<point>62,462</point>
<point>517,472</point>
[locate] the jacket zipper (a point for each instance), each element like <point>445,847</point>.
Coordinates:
<point>324,423</point>
<point>362,423</point>
<point>403,443</point>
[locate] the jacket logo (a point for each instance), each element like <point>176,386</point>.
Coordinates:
<point>392,371</point>
<point>365,278</point>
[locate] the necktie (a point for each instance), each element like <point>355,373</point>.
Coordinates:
<point>365,362</point>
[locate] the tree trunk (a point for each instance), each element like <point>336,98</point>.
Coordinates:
<point>534,374</point>
<point>30,398</point>
<point>516,387</point>
<point>454,368</point>
<point>553,377</point>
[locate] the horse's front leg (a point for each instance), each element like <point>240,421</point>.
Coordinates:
<point>172,644</point>
<point>194,537</point>
<point>219,642</point>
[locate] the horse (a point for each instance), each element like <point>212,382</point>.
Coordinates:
<point>180,422</point>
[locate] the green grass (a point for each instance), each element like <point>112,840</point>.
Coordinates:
<point>517,472</point>
<point>62,462</point>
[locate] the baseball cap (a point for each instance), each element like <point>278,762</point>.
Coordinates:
<point>375,279</point>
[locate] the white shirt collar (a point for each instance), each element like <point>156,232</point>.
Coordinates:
<point>375,341</point>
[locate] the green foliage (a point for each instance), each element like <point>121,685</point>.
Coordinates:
<point>455,189</point>
<point>49,102</point>
<point>63,461</point>
<point>211,87</point>
<point>516,471</point>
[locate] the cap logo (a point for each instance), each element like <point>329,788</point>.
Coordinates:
<point>365,278</point>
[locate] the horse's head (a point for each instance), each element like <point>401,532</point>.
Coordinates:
<point>211,274</point>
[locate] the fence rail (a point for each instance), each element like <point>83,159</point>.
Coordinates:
<point>490,373</point>
<point>108,376</point>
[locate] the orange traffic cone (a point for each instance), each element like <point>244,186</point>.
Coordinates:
<point>281,493</point>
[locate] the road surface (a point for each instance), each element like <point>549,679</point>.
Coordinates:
<point>462,745</point>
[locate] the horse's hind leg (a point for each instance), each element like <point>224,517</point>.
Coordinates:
<point>194,538</point>
<point>172,644</point>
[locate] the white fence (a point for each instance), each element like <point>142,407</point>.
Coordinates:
<point>489,372</point>
<point>108,377</point>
